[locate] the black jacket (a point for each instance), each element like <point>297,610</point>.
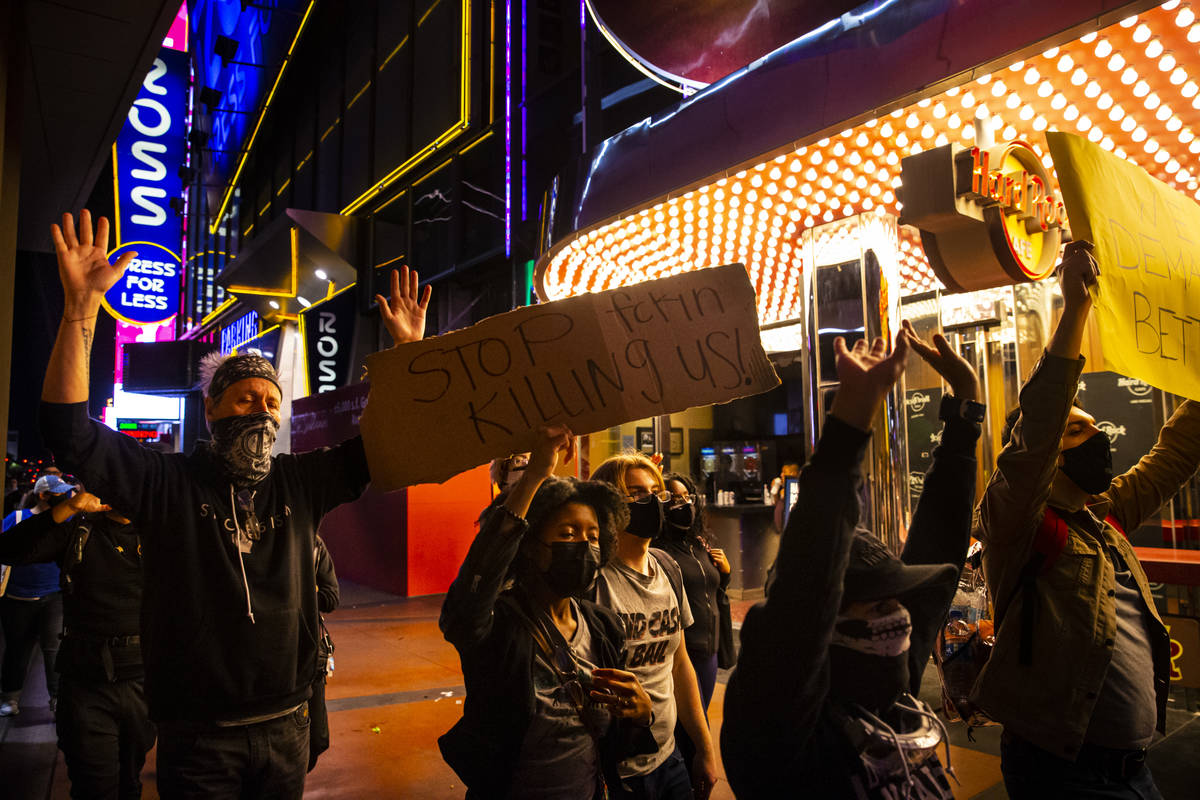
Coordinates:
<point>101,567</point>
<point>703,584</point>
<point>780,731</point>
<point>206,659</point>
<point>496,650</point>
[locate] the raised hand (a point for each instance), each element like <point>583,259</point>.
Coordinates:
<point>866,375</point>
<point>404,314</point>
<point>1076,272</point>
<point>964,383</point>
<point>552,440</point>
<point>622,693</point>
<point>83,264</point>
<point>719,560</point>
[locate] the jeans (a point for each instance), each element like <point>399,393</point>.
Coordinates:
<point>26,622</point>
<point>264,760</point>
<point>104,731</point>
<point>1030,772</point>
<point>706,675</point>
<point>669,781</point>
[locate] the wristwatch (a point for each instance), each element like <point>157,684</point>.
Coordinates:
<point>956,408</point>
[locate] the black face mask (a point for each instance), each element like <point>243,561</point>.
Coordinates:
<point>645,517</point>
<point>873,682</point>
<point>58,499</point>
<point>1089,464</point>
<point>242,443</point>
<point>680,517</point>
<point>573,567</point>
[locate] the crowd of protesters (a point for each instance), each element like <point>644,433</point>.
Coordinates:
<point>178,598</point>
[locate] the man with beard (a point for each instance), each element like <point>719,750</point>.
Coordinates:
<point>821,703</point>
<point>229,619</point>
<point>1081,666</point>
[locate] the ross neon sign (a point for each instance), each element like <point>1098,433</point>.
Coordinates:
<point>146,159</point>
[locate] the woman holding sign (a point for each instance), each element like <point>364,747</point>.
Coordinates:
<point>547,714</point>
<point>645,586</point>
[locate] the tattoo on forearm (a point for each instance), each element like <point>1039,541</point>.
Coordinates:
<point>88,333</point>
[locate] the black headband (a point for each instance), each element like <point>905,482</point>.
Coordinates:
<point>240,367</point>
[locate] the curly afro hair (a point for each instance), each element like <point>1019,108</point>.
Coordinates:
<point>602,498</point>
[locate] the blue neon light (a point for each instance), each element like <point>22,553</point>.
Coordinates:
<point>263,35</point>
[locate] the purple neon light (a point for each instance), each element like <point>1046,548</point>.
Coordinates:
<point>507,128</point>
<point>524,108</point>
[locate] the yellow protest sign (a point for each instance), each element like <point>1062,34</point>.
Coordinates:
<point>1147,238</point>
<point>446,404</point>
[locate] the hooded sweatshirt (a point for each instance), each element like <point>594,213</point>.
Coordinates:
<point>226,635</point>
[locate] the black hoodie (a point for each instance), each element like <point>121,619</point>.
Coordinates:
<point>207,659</point>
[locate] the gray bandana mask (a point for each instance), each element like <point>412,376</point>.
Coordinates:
<point>242,444</point>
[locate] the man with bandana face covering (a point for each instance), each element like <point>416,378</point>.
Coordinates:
<point>821,703</point>
<point>1080,669</point>
<point>229,628</point>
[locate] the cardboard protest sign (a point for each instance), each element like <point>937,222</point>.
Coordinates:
<point>1147,238</point>
<point>449,403</point>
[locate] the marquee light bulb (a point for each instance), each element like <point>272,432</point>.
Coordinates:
<point>1012,101</point>
<point>1083,124</point>
<point>1174,124</point>
<point>1139,134</point>
<point>1071,113</point>
<point>954,121</point>
<point>1010,133</point>
<point>1040,124</point>
<point>1079,77</point>
<point>1058,102</point>
<point>1031,76</point>
<point>1027,113</point>
<point>1092,89</point>
<point>1095,135</point>
<point>1141,33</point>
<point>1089,38</point>
<point>1154,49</point>
<point>1193,34</point>
<point>1117,114</point>
<point>1185,17</point>
<point>1178,76</point>
<point>1163,114</point>
<point>1129,76</point>
<point>1116,63</point>
<point>1151,102</point>
<point>1107,143</point>
<point>1103,48</point>
<point>1065,63</point>
<point>1129,22</point>
<point>968,99</point>
<point>1166,63</point>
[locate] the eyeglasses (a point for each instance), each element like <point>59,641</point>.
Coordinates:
<point>638,495</point>
<point>690,499</point>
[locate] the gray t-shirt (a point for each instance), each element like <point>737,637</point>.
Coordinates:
<point>558,758</point>
<point>1126,710</point>
<point>654,622</point>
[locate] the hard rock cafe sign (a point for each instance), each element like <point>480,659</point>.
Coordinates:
<point>987,216</point>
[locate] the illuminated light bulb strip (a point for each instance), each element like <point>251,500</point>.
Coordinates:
<point>1099,86</point>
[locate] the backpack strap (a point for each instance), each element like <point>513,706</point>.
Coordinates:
<point>674,573</point>
<point>1048,544</point>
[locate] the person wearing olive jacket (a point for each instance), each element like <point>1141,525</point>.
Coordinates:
<point>1080,670</point>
